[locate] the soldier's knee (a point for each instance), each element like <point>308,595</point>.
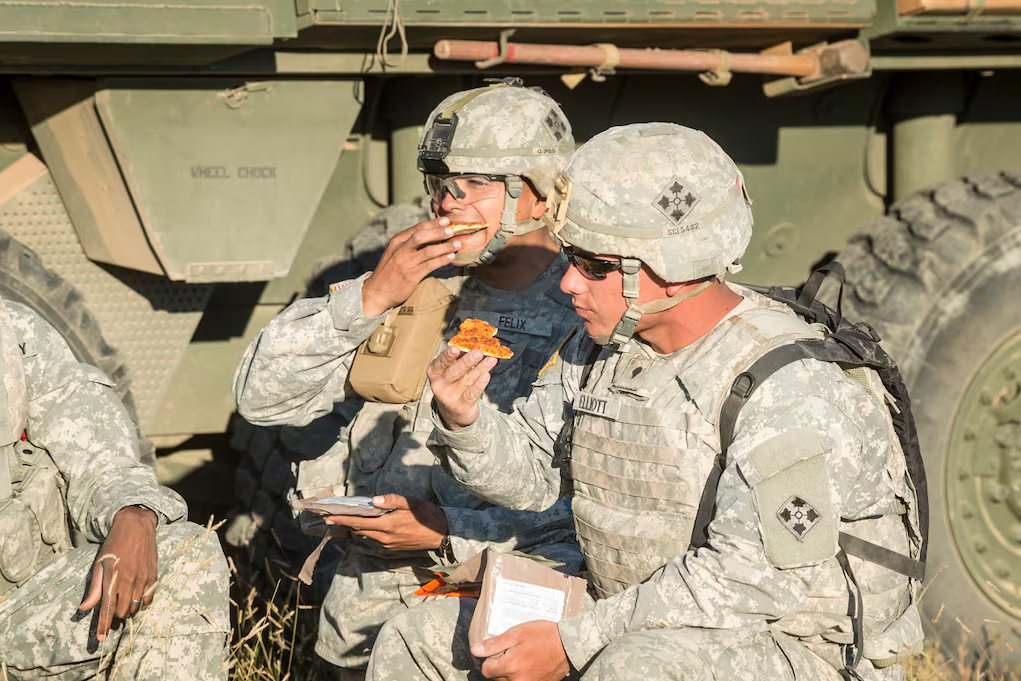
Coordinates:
<point>194,581</point>
<point>396,630</point>
<point>188,544</point>
<point>428,626</point>
<point>639,655</point>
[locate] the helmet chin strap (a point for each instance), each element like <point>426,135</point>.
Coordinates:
<point>625,328</point>
<point>509,225</point>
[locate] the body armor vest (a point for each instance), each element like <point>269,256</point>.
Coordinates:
<point>640,459</point>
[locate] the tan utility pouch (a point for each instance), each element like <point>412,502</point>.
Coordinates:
<point>390,366</point>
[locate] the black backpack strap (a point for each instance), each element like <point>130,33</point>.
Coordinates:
<point>740,392</point>
<point>880,555</point>
<point>810,290</point>
<point>856,611</point>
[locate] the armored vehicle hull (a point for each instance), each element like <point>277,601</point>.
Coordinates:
<point>171,176</point>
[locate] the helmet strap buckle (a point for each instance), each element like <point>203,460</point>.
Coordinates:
<point>493,247</point>
<point>556,204</point>
<point>627,325</point>
<point>631,267</point>
<point>508,220</point>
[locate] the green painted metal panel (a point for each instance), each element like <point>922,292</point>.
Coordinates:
<point>147,21</point>
<point>995,25</point>
<point>344,209</point>
<point>226,179</point>
<point>921,32</point>
<point>652,12</point>
<point>988,135</point>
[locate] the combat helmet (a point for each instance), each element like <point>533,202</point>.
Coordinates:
<point>654,193</point>
<point>506,131</point>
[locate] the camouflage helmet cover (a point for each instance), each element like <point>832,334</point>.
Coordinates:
<point>657,192</point>
<point>503,129</point>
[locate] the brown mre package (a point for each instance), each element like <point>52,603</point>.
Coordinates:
<point>516,590</point>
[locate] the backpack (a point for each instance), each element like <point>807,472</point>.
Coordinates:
<point>850,346</point>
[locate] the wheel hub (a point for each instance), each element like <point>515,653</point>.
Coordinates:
<point>983,477</point>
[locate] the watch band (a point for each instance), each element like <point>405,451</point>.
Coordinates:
<point>446,550</point>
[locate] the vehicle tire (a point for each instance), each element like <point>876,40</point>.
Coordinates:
<point>24,279</point>
<point>262,522</point>
<point>940,279</point>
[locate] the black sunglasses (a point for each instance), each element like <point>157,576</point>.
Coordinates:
<point>589,265</point>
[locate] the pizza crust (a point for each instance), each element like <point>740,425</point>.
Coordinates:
<point>462,228</point>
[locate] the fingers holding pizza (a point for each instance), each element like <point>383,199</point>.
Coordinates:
<point>459,380</point>
<point>410,257</point>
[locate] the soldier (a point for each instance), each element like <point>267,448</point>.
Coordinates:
<point>650,216</point>
<point>156,587</point>
<point>489,155</point>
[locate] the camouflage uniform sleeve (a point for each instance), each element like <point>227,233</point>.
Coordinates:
<point>75,416</point>
<point>734,581</point>
<point>507,459</point>
<point>296,369</point>
<point>504,530</point>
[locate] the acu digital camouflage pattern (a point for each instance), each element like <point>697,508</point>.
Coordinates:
<point>297,369</point>
<point>68,410</point>
<point>747,581</point>
<point>670,197</point>
<point>181,635</point>
<point>646,431</point>
<point>507,130</point>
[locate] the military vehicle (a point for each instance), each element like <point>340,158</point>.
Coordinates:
<point>171,174</point>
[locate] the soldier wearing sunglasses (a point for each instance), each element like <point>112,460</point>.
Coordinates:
<point>803,565</point>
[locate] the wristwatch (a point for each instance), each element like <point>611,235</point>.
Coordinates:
<point>446,550</point>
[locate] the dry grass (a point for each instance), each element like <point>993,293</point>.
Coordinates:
<point>274,632</point>
<point>970,662</point>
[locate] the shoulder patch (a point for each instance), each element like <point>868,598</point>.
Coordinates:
<point>556,354</point>
<point>791,480</point>
<point>798,516</point>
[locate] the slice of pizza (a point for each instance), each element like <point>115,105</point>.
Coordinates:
<point>466,227</point>
<point>475,334</point>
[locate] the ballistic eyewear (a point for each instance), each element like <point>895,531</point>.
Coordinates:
<point>464,188</point>
<point>589,265</point>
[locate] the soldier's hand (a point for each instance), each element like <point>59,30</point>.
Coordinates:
<point>458,383</point>
<point>410,257</point>
<point>531,651</point>
<point>124,573</point>
<point>413,525</point>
